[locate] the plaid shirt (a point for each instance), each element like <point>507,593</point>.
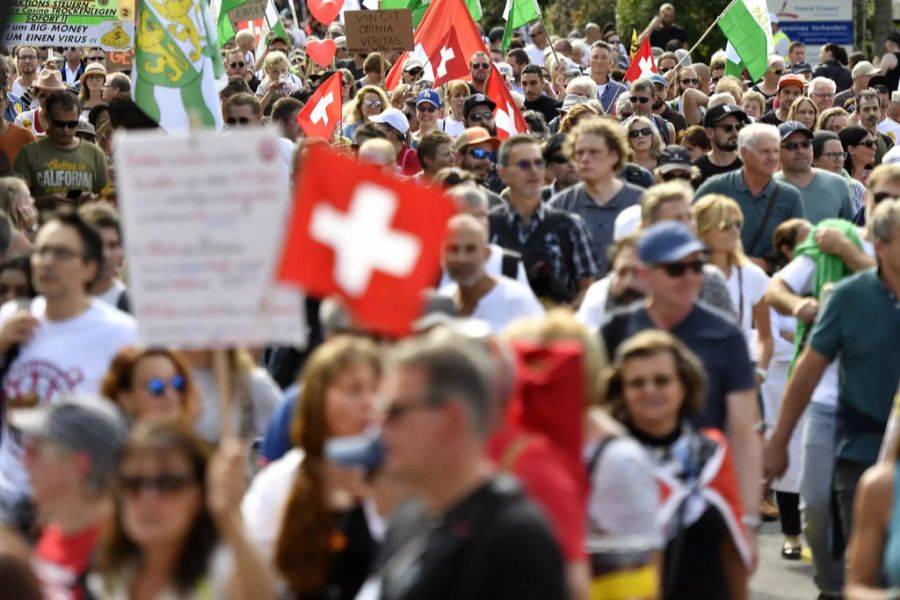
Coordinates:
<point>583,260</point>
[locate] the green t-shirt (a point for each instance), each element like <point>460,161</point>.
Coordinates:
<point>826,197</point>
<point>860,325</point>
<point>51,170</point>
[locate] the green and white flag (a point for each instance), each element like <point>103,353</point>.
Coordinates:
<point>746,25</point>
<point>418,8</point>
<point>518,13</point>
<point>271,22</point>
<point>733,65</point>
<point>178,66</point>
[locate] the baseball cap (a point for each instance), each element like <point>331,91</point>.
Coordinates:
<point>393,117</point>
<point>791,79</point>
<point>429,96</point>
<point>863,68</point>
<point>717,113</point>
<point>475,135</point>
<point>84,423</point>
<point>658,79</point>
<point>273,37</point>
<point>412,63</point>
<point>800,68</point>
<point>667,242</point>
<point>476,99</point>
<point>673,158</point>
<point>788,128</point>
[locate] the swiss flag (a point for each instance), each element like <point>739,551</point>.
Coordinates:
<point>441,17</point>
<point>448,60</point>
<point>642,64</point>
<point>509,120</point>
<point>366,236</point>
<point>323,110</point>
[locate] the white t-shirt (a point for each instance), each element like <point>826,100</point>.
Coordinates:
<point>452,127</point>
<point>112,295</point>
<point>507,301</point>
<point>890,128</point>
<point>61,356</point>
<point>593,306</point>
<point>494,267</point>
<point>747,285</point>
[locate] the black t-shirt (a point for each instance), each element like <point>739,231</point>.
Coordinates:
<point>660,37</point>
<point>545,105</point>
<point>493,545</point>
<point>771,118</point>
<point>676,119</point>
<point>708,169</point>
<point>254,83</point>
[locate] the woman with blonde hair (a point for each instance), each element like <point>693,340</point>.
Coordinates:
<point>278,81</point>
<point>834,120</point>
<point>92,80</point>
<point>719,221</point>
<point>454,122</point>
<point>311,517</point>
<point>644,140</point>
<point>370,100</point>
<point>576,114</point>
<point>805,111</point>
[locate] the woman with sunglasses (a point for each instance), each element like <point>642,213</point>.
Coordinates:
<point>369,101</point>
<point>151,383</point>
<point>307,515</point>
<point>348,85</point>
<point>719,221</point>
<point>92,81</point>
<point>177,531</point>
<point>654,387</point>
<point>428,109</point>
<point>644,140</point>
<point>860,148</point>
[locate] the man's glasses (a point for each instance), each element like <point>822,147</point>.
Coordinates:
<point>164,483</point>
<point>64,124</point>
<point>636,133</point>
<point>639,99</point>
<point>730,127</point>
<point>481,154</point>
<point>802,144</point>
<point>680,268</point>
<point>481,116</point>
<point>237,120</point>
<point>835,155</point>
<point>690,82</point>
<point>482,66</point>
<point>527,165</point>
<point>156,387</point>
<point>426,108</point>
<point>372,104</point>
<point>237,65</point>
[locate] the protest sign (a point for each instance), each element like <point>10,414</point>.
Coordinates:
<point>203,218</point>
<point>108,24</point>
<point>247,11</point>
<point>379,30</point>
<point>120,61</point>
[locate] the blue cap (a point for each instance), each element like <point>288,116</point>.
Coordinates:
<point>786,129</point>
<point>667,242</point>
<point>429,96</point>
<point>659,79</point>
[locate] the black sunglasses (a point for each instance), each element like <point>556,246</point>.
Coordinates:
<point>673,175</point>
<point>636,133</point>
<point>64,124</point>
<point>690,82</point>
<point>639,99</point>
<point>236,120</point>
<point>866,143</point>
<point>165,483</point>
<point>680,268</point>
<point>415,72</point>
<point>880,197</point>
<point>730,127</point>
<point>481,65</point>
<point>236,65</point>
<point>804,144</point>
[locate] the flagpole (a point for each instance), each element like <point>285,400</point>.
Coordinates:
<point>294,15</point>
<point>705,33</point>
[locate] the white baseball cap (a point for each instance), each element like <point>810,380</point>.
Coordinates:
<point>393,117</point>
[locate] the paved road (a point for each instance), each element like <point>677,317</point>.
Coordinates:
<point>777,578</point>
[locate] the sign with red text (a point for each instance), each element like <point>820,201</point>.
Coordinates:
<point>203,223</point>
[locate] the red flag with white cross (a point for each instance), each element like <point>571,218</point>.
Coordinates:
<point>507,116</point>
<point>448,61</point>
<point>323,110</point>
<point>366,236</point>
<point>642,64</point>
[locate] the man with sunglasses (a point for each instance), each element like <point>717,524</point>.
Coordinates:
<point>74,64</point>
<point>644,100</point>
<point>790,87</point>
<point>476,152</point>
<point>71,452</point>
<point>478,111</point>
<point>722,124</point>
<point>412,70</point>
<point>61,169</point>
<point>672,271</point>
<point>236,66</point>
<point>479,70</point>
<point>825,195</point>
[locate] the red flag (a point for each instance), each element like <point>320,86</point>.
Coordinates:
<point>367,236</point>
<point>448,60</point>
<point>642,64</point>
<point>441,17</point>
<point>507,116</point>
<point>323,110</point>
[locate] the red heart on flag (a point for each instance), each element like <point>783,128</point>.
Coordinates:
<point>321,51</point>
<point>325,11</point>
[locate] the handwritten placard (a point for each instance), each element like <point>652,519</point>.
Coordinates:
<point>379,30</point>
<point>203,218</point>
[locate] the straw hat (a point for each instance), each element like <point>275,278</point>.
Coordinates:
<point>92,69</point>
<point>50,79</point>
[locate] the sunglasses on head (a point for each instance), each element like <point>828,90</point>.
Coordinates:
<point>157,386</point>
<point>802,144</point>
<point>481,154</point>
<point>164,483</point>
<point>64,124</point>
<point>636,133</point>
<point>639,99</point>
<point>236,120</point>
<point>680,268</point>
<point>481,65</point>
<point>236,65</point>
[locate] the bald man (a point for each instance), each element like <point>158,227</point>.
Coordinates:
<point>495,300</point>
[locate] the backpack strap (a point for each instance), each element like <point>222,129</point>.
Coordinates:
<point>597,454</point>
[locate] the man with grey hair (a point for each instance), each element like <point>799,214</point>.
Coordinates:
<point>765,202</point>
<point>821,91</point>
<point>857,326</point>
<point>868,107</point>
<point>608,90</point>
<point>467,534</point>
<point>71,453</point>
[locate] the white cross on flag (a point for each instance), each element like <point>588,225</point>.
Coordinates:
<point>642,63</point>
<point>448,60</point>
<point>507,116</point>
<point>322,113</point>
<point>366,236</point>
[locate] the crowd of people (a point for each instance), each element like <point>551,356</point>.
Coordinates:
<point>667,312</point>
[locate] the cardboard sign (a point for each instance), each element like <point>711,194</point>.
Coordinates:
<point>203,219</point>
<point>120,61</point>
<point>248,11</point>
<point>379,30</point>
<point>108,24</point>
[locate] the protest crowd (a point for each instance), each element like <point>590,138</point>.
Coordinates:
<point>662,307</point>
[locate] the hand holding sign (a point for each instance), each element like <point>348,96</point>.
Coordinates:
<point>325,11</point>
<point>321,51</point>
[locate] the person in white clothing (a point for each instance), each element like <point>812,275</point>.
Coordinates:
<point>107,286</point>
<point>497,301</point>
<point>63,342</point>
<point>620,287</point>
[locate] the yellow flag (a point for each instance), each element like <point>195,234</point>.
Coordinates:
<point>634,43</point>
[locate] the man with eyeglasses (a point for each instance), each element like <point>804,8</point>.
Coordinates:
<point>722,124</point>
<point>62,342</point>
<point>476,152</point>
<point>821,91</point>
<point>829,155</point>
<point>236,66</point>
<point>479,70</point>
<point>644,102</point>
<point>535,99</point>
<point>824,194</point>
<point>61,169</point>
<point>27,69</point>
<point>790,87</point>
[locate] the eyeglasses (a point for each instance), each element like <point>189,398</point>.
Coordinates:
<point>690,82</point>
<point>54,252</point>
<point>866,143</point>
<point>527,165</point>
<point>28,57</point>
<point>481,154</point>
<point>802,144</point>
<point>481,66</point>
<point>639,99</point>
<point>156,387</point>
<point>835,155</point>
<point>372,104</point>
<point>659,381</point>
<point>236,120</point>
<point>426,108</point>
<point>415,72</point>
<point>879,197</point>
<point>665,70</point>
<point>636,133</point>
<point>729,224</point>
<point>164,483</point>
<point>730,127</point>
<point>559,159</point>
<point>822,94</point>
<point>481,116</point>
<point>237,65</point>
<point>680,268</point>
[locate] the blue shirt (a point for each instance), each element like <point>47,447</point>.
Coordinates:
<point>277,438</point>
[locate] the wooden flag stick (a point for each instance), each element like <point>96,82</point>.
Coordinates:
<point>222,375</point>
